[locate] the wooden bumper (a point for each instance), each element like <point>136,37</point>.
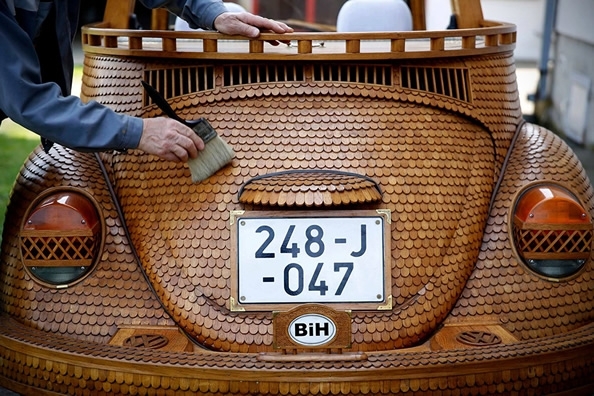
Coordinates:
<point>41,363</point>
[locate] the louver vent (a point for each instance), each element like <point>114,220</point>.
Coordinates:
<point>254,74</point>
<point>261,73</point>
<point>151,341</point>
<point>450,82</point>
<point>180,81</point>
<point>362,74</point>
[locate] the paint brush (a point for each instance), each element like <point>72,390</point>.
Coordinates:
<point>216,154</point>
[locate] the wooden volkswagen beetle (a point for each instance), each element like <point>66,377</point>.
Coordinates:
<point>389,225</point>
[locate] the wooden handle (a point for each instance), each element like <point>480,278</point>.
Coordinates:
<point>117,13</point>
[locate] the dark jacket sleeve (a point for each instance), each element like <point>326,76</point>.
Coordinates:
<point>198,13</point>
<point>41,107</point>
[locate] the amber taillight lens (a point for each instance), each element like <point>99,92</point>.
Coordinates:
<point>61,237</point>
<point>552,231</point>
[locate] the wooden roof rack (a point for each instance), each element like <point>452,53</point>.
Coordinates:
<point>468,14</point>
<point>117,14</point>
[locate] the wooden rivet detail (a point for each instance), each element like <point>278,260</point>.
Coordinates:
<point>304,46</point>
<point>256,47</point>
<point>210,45</point>
<point>169,44</point>
<point>135,43</point>
<point>353,46</point>
<point>437,44</point>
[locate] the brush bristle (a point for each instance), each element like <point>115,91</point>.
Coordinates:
<point>216,154</point>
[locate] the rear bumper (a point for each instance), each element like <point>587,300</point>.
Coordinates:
<point>42,363</point>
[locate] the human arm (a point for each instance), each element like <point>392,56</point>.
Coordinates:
<point>248,25</point>
<point>212,14</point>
<point>169,139</point>
<point>41,108</point>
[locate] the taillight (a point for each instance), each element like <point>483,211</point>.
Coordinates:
<point>61,237</point>
<point>552,231</point>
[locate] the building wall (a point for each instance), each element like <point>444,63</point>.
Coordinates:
<point>571,107</point>
<point>574,19</point>
<point>527,15</point>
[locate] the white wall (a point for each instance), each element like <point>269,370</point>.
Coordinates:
<point>575,19</point>
<point>572,82</point>
<point>527,15</point>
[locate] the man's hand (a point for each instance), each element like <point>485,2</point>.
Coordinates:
<point>248,25</point>
<point>169,139</point>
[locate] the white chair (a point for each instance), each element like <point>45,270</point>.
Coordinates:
<point>374,16</point>
<point>181,25</point>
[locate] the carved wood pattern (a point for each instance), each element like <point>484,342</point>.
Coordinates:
<point>436,158</point>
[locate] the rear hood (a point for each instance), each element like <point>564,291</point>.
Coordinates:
<point>432,171</point>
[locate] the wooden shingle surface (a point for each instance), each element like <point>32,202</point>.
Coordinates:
<point>434,167</point>
<point>466,315</point>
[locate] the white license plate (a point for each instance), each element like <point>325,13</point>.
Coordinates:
<point>305,259</point>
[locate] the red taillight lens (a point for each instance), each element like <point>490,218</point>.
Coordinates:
<point>61,237</point>
<point>552,231</point>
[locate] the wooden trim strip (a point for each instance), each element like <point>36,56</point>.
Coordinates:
<point>415,44</point>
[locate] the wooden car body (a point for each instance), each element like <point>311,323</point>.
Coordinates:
<point>482,274</point>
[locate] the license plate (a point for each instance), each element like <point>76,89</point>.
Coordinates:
<point>311,258</point>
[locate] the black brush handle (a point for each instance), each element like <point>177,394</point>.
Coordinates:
<point>164,105</point>
<point>200,126</point>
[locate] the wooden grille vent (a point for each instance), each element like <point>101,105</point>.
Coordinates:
<point>180,81</point>
<point>151,341</point>
<point>261,73</point>
<point>58,250</point>
<point>362,74</point>
<point>176,82</point>
<point>553,242</point>
<point>478,338</point>
<point>451,82</point>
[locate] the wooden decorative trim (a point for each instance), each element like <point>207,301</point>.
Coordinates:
<point>32,356</point>
<point>309,188</point>
<point>498,38</point>
<point>341,320</point>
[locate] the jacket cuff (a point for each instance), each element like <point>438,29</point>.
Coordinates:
<point>204,17</point>
<point>131,133</point>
